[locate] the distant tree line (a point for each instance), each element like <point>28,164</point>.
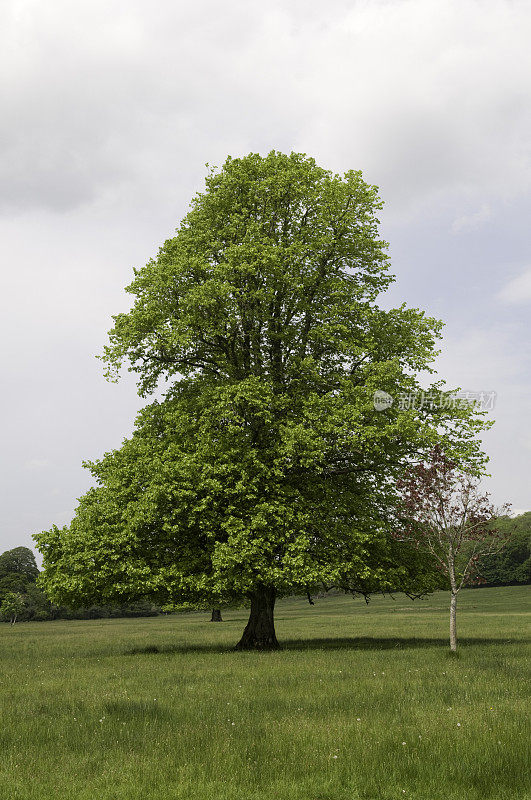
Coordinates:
<point>22,600</point>
<point>512,564</point>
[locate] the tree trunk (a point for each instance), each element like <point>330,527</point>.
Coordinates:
<point>216,615</point>
<point>453,621</point>
<point>259,633</point>
<point>453,601</point>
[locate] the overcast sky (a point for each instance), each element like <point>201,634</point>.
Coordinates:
<point>110,111</point>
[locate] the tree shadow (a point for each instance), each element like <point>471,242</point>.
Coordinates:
<point>165,649</point>
<point>387,643</point>
<point>346,643</point>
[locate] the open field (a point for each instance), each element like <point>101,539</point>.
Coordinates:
<point>363,703</point>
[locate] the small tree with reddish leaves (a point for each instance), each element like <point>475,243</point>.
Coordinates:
<point>443,511</point>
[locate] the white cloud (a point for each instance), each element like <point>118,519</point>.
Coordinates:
<point>36,463</point>
<point>471,222</point>
<point>497,358</point>
<point>485,358</point>
<point>517,290</point>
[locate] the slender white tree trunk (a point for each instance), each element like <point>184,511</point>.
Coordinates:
<point>453,603</point>
<point>453,622</point>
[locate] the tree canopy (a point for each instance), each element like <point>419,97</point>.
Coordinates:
<point>267,468</point>
<point>20,561</point>
<point>18,570</point>
<point>11,606</point>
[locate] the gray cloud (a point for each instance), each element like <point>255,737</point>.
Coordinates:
<point>110,111</point>
<point>430,97</point>
<point>518,289</point>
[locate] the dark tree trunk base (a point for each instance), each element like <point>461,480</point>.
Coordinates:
<point>216,615</point>
<point>259,633</point>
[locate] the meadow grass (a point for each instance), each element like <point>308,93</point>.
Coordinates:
<point>362,703</point>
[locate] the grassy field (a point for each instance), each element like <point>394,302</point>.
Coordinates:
<point>363,703</point>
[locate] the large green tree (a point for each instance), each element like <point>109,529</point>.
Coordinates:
<point>18,570</point>
<point>267,468</point>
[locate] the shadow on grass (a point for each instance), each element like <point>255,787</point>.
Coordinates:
<point>349,643</point>
<point>127,710</point>
<point>386,643</point>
